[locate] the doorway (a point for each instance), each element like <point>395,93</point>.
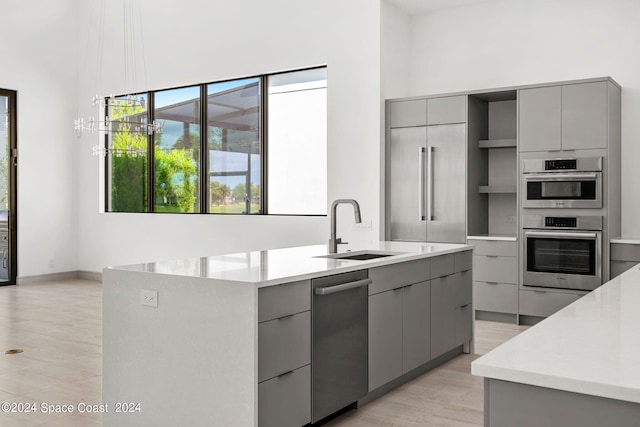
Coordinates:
<point>8,167</point>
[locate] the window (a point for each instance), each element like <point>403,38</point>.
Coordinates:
<point>258,151</point>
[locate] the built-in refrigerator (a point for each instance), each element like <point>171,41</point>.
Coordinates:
<point>426,183</point>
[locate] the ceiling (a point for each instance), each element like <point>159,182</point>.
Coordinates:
<point>416,7</point>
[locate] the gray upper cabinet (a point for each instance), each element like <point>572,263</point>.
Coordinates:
<point>446,110</point>
<point>567,117</point>
<point>540,118</point>
<point>584,116</point>
<point>408,113</point>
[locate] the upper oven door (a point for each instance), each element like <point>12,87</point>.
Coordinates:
<point>562,190</point>
<point>563,259</point>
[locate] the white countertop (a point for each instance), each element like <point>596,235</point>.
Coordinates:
<point>277,266</point>
<point>625,241</point>
<point>591,346</point>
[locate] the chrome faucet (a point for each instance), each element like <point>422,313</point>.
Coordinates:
<point>334,241</point>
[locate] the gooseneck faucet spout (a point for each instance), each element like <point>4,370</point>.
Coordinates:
<point>333,240</point>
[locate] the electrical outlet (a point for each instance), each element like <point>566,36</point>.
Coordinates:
<point>148,297</point>
<point>364,225</point>
<point>511,219</point>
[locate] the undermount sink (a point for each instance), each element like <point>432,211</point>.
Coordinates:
<point>360,255</point>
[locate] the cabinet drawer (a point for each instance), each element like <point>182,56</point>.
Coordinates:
<point>494,247</point>
<point>544,303</point>
<point>283,300</point>
<point>285,401</point>
<point>498,297</point>
<point>496,269</point>
<point>407,113</point>
<point>463,261</point>
<point>450,109</point>
<point>619,267</point>
<point>443,265</point>
<point>283,344</point>
<point>398,275</point>
<point>625,252</point>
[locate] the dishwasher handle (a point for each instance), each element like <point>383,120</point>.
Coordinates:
<point>342,287</point>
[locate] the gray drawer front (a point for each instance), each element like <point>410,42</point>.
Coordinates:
<point>398,275</point>
<point>625,252</point>
<point>283,300</point>
<point>285,401</point>
<point>494,247</point>
<point>544,304</point>
<point>283,345</point>
<point>496,269</point>
<point>408,113</point>
<point>498,297</point>
<point>619,267</point>
<point>443,265</point>
<point>463,261</point>
<point>450,109</point>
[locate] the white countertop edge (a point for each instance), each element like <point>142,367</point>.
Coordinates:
<point>494,237</point>
<point>625,241</point>
<point>609,391</point>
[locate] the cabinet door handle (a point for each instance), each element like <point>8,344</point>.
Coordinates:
<point>491,283</point>
<point>286,373</point>
<point>286,317</point>
<point>421,216</point>
<point>430,154</point>
<point>342,287</point>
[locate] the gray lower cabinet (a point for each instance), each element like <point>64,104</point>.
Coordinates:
<point>495,287</point>
<point>416,325</point>
<point>544,303</point>
<point>623,257</point>
<point>385,337</point>
<point>284,355</point>
<point>412,321</point>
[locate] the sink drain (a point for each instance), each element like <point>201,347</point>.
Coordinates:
<point>13,351</point>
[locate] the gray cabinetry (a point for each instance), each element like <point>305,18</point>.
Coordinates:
<point>567,117</point>
<point>584,116</point>
<point>416,325</point>
<point>413,319</point>
<point>540,118</point>
<point>541,303</point>
<point>385,337</point>
<point>495,284</point>
<point>445,110</point>
<point>408,113</point>
<point>284,355</point>
<point>624,256</point>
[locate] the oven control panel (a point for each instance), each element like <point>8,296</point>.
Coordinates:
<point>560,222</point>
<point>560,164</point>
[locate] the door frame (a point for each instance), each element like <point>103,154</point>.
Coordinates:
<point>12,184</point>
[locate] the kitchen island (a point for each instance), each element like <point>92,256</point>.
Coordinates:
<point>181,337</point>
<point>578,367</point>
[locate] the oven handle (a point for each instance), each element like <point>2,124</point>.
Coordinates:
<point>560,176</point>
<point>560,234</point>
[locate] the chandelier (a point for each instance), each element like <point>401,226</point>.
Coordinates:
<point>120,114</point>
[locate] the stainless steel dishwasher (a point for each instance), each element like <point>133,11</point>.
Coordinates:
<point>339,364</point>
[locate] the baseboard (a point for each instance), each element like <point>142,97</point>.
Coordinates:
<point>66,275</point>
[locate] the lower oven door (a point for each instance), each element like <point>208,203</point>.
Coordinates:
<point>563,259</point>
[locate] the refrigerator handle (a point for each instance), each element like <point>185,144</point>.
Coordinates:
<point>430,154</point>
<point>421,216</point>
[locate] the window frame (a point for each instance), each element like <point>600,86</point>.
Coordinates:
<point>203,176</point>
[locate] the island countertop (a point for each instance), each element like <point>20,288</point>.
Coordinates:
<point>590,347</point>
<point>277,266</point>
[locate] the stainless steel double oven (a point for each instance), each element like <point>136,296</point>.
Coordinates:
<point>562,223</point>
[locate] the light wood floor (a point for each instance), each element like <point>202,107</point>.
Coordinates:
<point>58,325</point>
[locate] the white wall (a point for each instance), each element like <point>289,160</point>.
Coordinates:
<point>39,60</point>
<point>516,42</point>
<point>194,41</point>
